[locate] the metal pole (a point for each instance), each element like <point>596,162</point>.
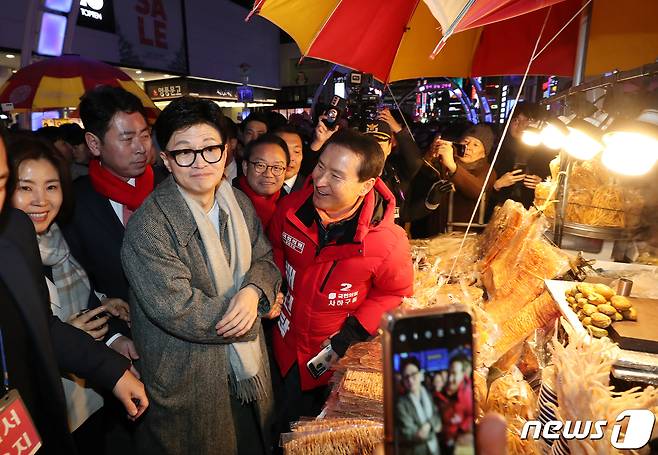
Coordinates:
<point>581,49</point>
<point>565,160</point>
<point>562,197</point>
<point>70,27</point>
<point>31,19</point>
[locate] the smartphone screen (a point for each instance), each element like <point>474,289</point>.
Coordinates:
<point>432,367</point>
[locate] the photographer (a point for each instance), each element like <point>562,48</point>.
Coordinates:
<point>403,158</point>
<point>467,172</point>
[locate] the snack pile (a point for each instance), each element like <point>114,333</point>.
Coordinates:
<point>594,198</point>
<point>597,307</point>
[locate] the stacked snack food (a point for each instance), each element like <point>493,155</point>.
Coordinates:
<point>502,281</point>
<point>597,307</point>
<point>594,198</point>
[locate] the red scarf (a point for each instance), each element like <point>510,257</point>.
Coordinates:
<point>265,205</point>
<point>111,186</point>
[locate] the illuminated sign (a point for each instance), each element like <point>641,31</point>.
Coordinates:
<point>51,35</point>
<point>97,14</point>
<point>245,93</point>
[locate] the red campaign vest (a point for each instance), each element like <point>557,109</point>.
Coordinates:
<point>365,278</point>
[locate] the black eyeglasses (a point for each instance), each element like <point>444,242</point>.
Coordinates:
<point>261,168</point>
<point>186,157</point>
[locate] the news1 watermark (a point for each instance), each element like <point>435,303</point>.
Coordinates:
<point>638,429</point>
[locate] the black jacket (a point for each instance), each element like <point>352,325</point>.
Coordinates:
<point>298,185</point>
<point>401,167</point>
<point>94,235</point>
<point>516,155</point>
<point>55,346</point>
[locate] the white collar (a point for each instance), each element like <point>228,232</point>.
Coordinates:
<point>291,181</point>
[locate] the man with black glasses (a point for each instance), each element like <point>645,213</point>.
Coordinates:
<point>264,168</point>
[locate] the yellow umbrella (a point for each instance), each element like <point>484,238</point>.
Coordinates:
<point>394,39</point>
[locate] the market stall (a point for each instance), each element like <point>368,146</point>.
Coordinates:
<point>547,349</point>
<point>543,348</point>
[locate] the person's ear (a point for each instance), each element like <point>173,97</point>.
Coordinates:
<point>94,143</point>
<point>366,187</point>
<point>244,167</point>
<point>163,157</point>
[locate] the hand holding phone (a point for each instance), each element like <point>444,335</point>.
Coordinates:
<point>94,322</point>
<point>322,361</point>
<point>428,378</point>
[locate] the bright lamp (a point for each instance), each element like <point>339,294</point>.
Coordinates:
<point>553,134</point>
<point>531,136</point>
<point>582,142</point>
<point>631,147</point>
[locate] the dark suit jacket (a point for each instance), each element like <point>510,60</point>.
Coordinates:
<point>95,235</point>
<point>58,347</point>
<point>298,185</point>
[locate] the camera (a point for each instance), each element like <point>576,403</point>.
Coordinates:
<point>364,105</point>
<point>333,113</point>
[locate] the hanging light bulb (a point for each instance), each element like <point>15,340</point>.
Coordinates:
<point>582,142</point>
<point>531,136</point>
<point>631,147</point>
<point>553,134</point>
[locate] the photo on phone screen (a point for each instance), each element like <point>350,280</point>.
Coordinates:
<point>432,358</point>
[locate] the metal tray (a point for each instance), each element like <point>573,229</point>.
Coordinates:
<point>595,232</point>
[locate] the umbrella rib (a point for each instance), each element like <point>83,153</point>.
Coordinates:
<point>500,143</point>
<point>451,28</point>
<point>585,4</point>
<point>397,51</point>
<point>317,34</point>
<point>255,9</point>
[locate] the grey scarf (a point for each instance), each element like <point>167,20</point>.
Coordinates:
<point>247,373</point>
<point>68,276</point>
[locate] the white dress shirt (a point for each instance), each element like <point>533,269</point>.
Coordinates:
<point>288,184</point>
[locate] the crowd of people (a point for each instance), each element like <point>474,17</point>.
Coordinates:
<point>434,409</point>
<point>194,267</point>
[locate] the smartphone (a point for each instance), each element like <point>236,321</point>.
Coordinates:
<point>428,381</point>
<point>98,316</point>
<point>520,167</point>
<point>322,362</point>
<point>459,149</point>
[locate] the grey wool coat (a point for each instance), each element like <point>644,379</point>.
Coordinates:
<point>174,309</point>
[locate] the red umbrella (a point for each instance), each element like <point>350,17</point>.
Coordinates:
<point>59,82</point>
<point>393,39</point>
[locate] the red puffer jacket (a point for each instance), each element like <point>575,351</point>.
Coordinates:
<point>364,276</point>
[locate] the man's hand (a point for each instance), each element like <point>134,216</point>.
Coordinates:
<point>424,431</point>
<point>97,328</point>
<point>275,309</point>
<point>531,181</point>
<point>130,391</point>
<point>386,116</point>
<point>492,435</point>
<point>118,308</point>
<point>509,179</point>
<point>443,150</point>
<point>125,346</point>
<point>322,134</point>
<point>241,314</point>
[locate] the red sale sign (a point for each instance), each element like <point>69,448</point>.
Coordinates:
<point>18,435</point>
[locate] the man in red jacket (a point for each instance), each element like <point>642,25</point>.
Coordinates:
<point>345,262</point>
